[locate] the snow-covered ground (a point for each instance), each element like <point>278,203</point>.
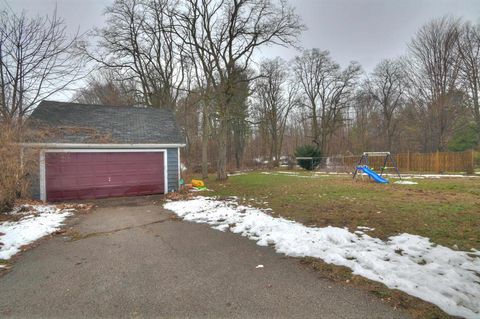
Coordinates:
<point>35,221</point>
<point>448,278</point>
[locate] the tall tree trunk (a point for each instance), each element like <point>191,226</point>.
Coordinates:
<point>222,149</point>
<point>315,124</point>
<point>238,160</point>
<point>274,146</point>
<point>205,137</point>
<point>323,140</point>
<point>237,143</point>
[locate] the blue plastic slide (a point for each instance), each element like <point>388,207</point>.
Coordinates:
<point>377,178</point>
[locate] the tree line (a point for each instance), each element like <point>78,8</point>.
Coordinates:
<point>201,59</point>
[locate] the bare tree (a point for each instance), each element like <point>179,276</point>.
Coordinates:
<point>298,130</point>
<point>239,127</point>
<point>361,133</point>
<point>386,85</point>
<point>138,42</point>
<point>37,60</point>
<point>106,89</point>
<point>275,96</point>
<point>224,36</point>
<point>434,71</point>
<point>469,50</point>
<point>328,91</point>
<point>200,85</point>
<point>310,69</point>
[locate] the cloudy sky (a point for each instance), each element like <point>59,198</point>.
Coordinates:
<point>362,30</point>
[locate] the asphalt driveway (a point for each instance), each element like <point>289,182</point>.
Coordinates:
<point>136,260</point>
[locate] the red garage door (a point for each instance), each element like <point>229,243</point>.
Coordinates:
<point>79,175</point>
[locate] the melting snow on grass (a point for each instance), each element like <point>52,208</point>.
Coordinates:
<point>448,278</point>
<point>34,222</point>
<point>406,183</point>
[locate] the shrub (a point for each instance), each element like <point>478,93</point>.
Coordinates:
<point>464,139</point>
<point>12,182</point>
<point>476,159</point>
<point>308,151</point>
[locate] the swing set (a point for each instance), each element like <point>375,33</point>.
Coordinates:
<point>362,166</point>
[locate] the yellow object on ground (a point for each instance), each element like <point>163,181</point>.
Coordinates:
<point>197,183</point>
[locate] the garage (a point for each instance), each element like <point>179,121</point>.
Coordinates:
<point>86,174</point>
<point>87,151</point>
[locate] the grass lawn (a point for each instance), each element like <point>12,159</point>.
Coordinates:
<point>447,210</point>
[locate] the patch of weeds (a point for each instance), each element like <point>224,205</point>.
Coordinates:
<point>328,271</point>
<point>381,293</point>
<point>24,209</point>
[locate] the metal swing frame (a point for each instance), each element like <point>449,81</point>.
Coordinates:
<point>388,156</point>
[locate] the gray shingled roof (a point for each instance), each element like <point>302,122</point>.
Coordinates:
<point>85,123</point>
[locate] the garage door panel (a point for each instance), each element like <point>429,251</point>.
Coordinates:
<point>103,174</point>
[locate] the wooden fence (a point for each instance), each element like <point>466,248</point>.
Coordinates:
<point>439,162</point>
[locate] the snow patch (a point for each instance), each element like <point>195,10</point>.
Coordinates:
<point>411,263</point>
<point>365,228</point>
<point>290,174</point>
<point>406,183</point>
<point>434,176</point>
<point>37,221</point>
<point>237,174</point>
<point>287,172</point>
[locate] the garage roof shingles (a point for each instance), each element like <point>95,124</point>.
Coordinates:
<point>122,124</point>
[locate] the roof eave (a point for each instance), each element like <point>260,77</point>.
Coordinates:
<point>102,146</point>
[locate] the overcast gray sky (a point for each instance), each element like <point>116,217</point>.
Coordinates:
<point>362,30</point>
